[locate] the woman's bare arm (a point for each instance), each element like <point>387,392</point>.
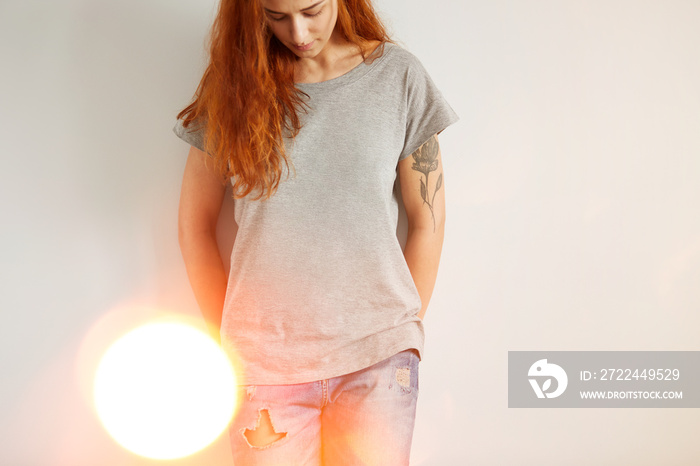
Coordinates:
<point>201,197</point>
<point>423,192</point>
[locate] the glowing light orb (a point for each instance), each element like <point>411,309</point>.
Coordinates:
<point>165,390</point>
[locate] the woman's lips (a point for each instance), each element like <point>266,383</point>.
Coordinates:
<point>303,48</point>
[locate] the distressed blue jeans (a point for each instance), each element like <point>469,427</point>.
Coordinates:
<point>363,418</point>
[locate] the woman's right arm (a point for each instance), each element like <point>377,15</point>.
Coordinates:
<point>200,202</point>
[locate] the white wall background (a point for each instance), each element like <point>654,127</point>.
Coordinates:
<point>572,186</point>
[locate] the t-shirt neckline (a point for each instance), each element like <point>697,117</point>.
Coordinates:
<point>351,76</point>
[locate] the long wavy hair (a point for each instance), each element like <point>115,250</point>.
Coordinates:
<point>247,100</point>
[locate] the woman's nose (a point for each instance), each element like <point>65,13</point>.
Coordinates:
<point>299,31</point>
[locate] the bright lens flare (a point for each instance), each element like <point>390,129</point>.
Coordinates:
<point>165,390</point>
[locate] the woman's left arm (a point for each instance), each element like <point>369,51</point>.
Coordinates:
<point>423,192</point>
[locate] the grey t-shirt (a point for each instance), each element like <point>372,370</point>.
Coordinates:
<point>318,285</point>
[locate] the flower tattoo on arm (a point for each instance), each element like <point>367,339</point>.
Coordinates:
<point>425,160</point>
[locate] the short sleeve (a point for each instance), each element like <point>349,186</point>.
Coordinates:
<point>193,135</point>
<point>427,111</point>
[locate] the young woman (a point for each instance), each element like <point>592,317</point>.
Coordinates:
<point>312,113</point>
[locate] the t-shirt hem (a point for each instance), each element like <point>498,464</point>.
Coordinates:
<point>414,341</point>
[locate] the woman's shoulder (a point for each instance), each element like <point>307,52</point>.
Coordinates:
<point>398,62</point>
<point>399,57</point>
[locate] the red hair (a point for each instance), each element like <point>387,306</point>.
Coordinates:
<point>247,99</point>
